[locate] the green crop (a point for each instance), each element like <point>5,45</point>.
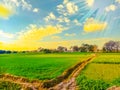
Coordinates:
<point>39,66</point>
<point>102,73</point>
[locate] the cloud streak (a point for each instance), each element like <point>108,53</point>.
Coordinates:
<point>92,25</point>
<point>70,35</point>
<point>110,8</point>
<point>6,35</point>
<point>35,33</point>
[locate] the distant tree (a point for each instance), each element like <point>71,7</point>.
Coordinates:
<point>112,46</point>
<point>62,49</point>
<point>88,48</point>
<point>40,49</point>
<point>46,51</point>
<point>54,51</point>
<point>84,48</point>
<point>93,48</point>
<point>8,52</point>
<point>2,51</point>
<point>14,52</point>
<point>74,48</point>
<point>23,51</point>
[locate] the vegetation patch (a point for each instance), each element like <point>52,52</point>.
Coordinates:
<point>42,67</point>
<point>5,85</point>
<point>103,73</point>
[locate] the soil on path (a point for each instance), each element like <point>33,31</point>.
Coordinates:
<point>70,83</point>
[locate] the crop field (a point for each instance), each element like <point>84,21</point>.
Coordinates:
<point>102,73</point>
<point>38,66</point>
<point>108,58</point>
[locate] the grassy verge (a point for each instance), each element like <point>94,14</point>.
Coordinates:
<point>4,85</point>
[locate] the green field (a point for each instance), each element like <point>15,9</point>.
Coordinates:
<point>108,58</point>
<point>39,66</point>
<point>102,73</point>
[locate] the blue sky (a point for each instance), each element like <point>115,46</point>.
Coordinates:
<point>79,21</point>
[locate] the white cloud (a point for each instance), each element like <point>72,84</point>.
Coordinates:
<point>6,35</point>
<point>77,22</point>
<point>65,11</point>
<point>62,10</point>
<point>60,6</point>
<point>35,10</point>
<point>51,16</point>
<point>90,2</point>
<point>63,19</point>
<point>67,8</point>
<point>15,4</point>
<point>60,19</point>
<point>70,35</point>
<point>66,20</point>
<point>71,8</point>
<point>110,8</point>
<point>26,5</point>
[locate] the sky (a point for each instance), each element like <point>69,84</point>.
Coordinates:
<point>30,24</point>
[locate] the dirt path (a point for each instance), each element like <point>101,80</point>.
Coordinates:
<point>64,82</point>
<point>70,83</point>
<point>23,82</point>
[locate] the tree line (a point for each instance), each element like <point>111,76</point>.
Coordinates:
<point>110,46</point>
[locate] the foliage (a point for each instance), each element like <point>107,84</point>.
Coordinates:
<point>112,46</point>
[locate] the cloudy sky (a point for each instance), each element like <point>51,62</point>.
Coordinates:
<point>29,24</point>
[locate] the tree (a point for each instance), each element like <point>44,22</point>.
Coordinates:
<point>88,48</point>
<point>62,49</point>
<point>40,49</point>
<point>74,48</point>
<point>112,46</point>
<point>93,48</point>
<point>2,51</point>
<point>46,51</point>
<point>8,52</point>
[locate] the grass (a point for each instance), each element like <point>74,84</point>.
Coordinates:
<point>9,86</point>
<point>101,74</point>
<point>108,58</point>
<point>39,66</point>
<point>106,72</point>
